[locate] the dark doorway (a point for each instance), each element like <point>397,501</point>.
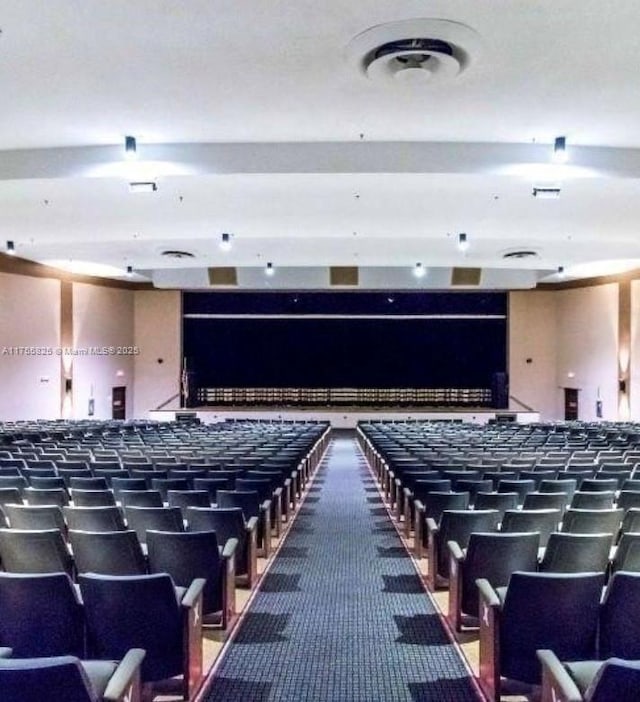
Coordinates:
<point>570,404</point>
<point>119,402</point>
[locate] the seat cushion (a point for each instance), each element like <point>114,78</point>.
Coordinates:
<point>99,674</point>
<point>583,672</point>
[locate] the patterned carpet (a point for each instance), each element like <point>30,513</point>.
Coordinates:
<point>341,616</point>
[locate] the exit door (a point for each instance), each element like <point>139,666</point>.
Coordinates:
<point>570,404</point>
<point>119,402</point>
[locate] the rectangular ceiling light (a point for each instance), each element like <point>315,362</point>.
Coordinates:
<point>139,187</point>
<point>466,276</point>
<point>344,275</point>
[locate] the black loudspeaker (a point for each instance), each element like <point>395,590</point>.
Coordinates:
<point>500,390</point>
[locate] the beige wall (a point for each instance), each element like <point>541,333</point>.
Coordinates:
<point>29,317</point>
<point>533,351</point>
<point>587,342</point>
<point>102,319</point>
<point>157,335</point>
<point>571,337</point>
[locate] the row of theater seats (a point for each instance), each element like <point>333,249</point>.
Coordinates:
<point>151,567</point>
<point>523,558</point>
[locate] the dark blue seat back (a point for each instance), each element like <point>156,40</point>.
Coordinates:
<point>548,610</point>
<point>35,680</point>
<point>124,612</point>
<point>40,615</point>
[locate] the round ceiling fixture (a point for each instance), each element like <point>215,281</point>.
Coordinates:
<point>175,253</point>
<point>519,254</point>
<point>418,51</point>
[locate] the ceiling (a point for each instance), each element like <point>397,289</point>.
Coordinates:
<point>255,119</point>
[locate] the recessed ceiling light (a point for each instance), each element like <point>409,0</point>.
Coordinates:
<point>130,147</point>
<point>463,242</point>
<point>143,187</point>
<point>11,248</point>
<point>225,242</point>
<point>560,154</point>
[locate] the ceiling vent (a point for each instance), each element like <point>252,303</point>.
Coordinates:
<point>176,253</point>
<point>415,51</point>
<point>222,275</point>
<point>343,275</point>
<point>466,276</point>
<point>519,254</point>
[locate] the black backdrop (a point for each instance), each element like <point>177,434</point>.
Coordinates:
<point>417,340</point>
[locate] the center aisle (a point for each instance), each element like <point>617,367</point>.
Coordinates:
<point>341,616</point>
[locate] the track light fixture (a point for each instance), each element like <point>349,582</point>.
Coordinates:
<point>129,271</point>
<point>11,248</point>
<point>561,271</point>
<point>225,242</point>
<point>463,243</point>
<point>560,154</point>
<point>269,269</point>
<point>419,270</point>
<point>130,147</point>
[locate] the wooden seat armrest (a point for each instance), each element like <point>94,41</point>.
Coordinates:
<point>124,684</point>
<point>489,640</point>
<point>229,549</point>
<point>432,527</point>
<point>192,637</point>
<point>456,552</point>
<point>252,524</point>
<point>557,684</point>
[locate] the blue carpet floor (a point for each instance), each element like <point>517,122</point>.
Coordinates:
<point>341,616</point>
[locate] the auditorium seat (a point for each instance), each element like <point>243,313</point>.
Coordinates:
<point>68,679</point>
<point>454,525</point>
<point>566,485</point>
<point>612,680</point>
<point>102,518</point>
<point>188,498</point>
<point>593,500</point>
<point>491,556</point>
<point>107,552</point>
<point>543,521</point>
<point>619,632</point>
<point>143,612</point>
<point>594,521</point>
<point>34,551</point>
<point>141,519</point>
<point>432,505</point>
<point>92,498</point>
<point>189,555</point>
<point>35,517</point>
<point>230,523</point>
<point>538,611</point>
<point>251,506</point>
<point>576,553</point>
<point>546,500</point>
<point>40,615</point>
<point>141,498</point>
<point>500,501</point>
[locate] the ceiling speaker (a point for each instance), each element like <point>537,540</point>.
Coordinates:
<point>466,276</point>
<point>223,275</point>
<point>344,275</point>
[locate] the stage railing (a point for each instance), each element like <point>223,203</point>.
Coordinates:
<point>414,397</point>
